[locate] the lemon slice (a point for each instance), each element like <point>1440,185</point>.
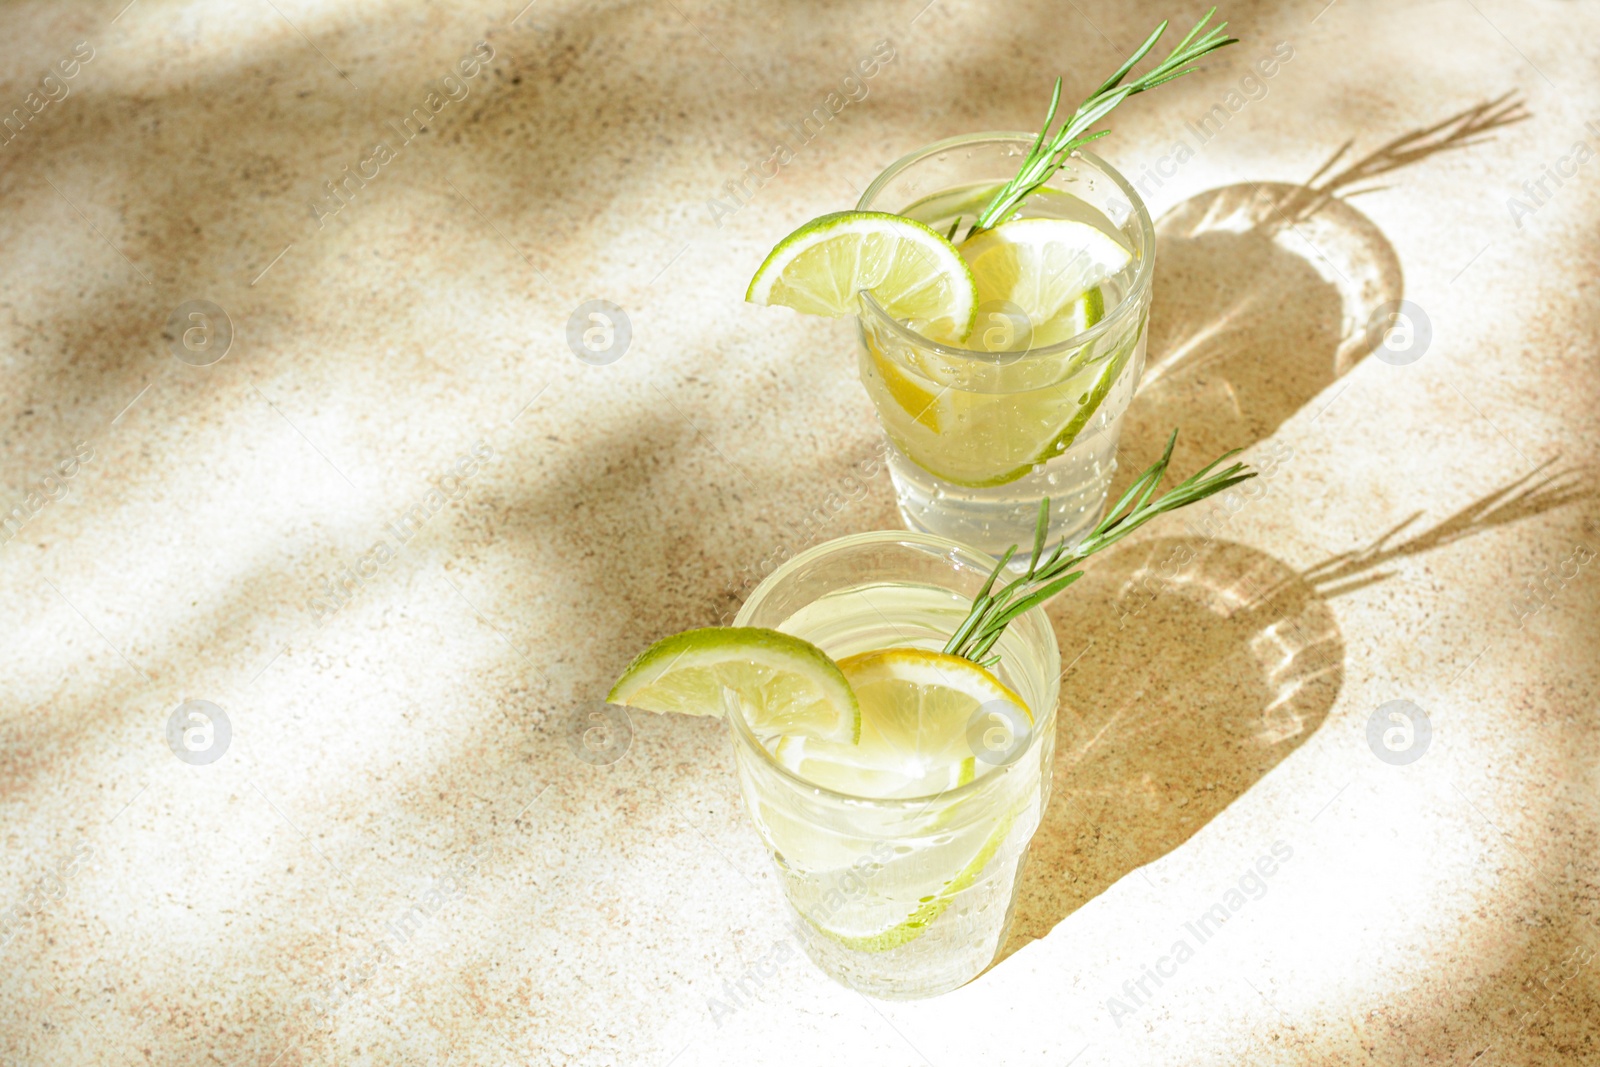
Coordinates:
<point>913,272</point>
<point>918,706</point>
<point>785,685</point>
<point>1048,268</point>
<point>919,398</point>
<point>938,407</point>
<point>920,711</point>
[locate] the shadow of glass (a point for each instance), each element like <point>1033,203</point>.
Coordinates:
<point>1267,293</point>
<point>1225,661</point>
<point>1252,319</point>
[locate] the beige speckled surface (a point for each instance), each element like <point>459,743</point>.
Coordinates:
<point>398,807</point>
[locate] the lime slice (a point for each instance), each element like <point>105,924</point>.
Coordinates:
<point>786,685</point>
<point>1047,268</point>
<point>1005,430</point>
<point>913,272</point>
<point>931,906</point>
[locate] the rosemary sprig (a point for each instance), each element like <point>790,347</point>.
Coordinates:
<point>1048,575</point>
<point>1049,153</point>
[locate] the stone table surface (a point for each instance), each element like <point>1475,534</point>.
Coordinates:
<point>292,427</point>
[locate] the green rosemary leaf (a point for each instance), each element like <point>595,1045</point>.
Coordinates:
<point>1034,599</point>
<point>1049,117</point>
<point>1152,476</point>
<point>980,607</point>
<point>1138,54</point>
<point>992,611</point>
<point>998,567</point>
<point>1040,529</point>
<point>980,604</point>
<point>1050,152</point>
<point>1166,458</point>
<point>995,629</point>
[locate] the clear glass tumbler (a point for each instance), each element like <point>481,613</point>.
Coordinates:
<point>980,436</point>
<point>902,898</point>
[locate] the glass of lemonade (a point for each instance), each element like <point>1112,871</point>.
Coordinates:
<point>906,892</point>
<point>980,434</point>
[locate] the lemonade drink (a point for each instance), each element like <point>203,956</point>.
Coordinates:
<point>1031,403</point>
<point>901,862</point>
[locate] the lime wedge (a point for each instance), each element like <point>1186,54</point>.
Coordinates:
<point>1047,268</point>
<point>913,272</point>
<point>786,685</point>
<point>1087,405</point>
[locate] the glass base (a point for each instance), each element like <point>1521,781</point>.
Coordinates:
<point>898,898</point>
<point>893,980</point>
<point>992,520</point>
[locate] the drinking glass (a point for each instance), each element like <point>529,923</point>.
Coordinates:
<point>902,898</point>
<point>978,437</point>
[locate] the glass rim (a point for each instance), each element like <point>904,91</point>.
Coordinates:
<point>741,728</point>
<point>1136,292</point>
